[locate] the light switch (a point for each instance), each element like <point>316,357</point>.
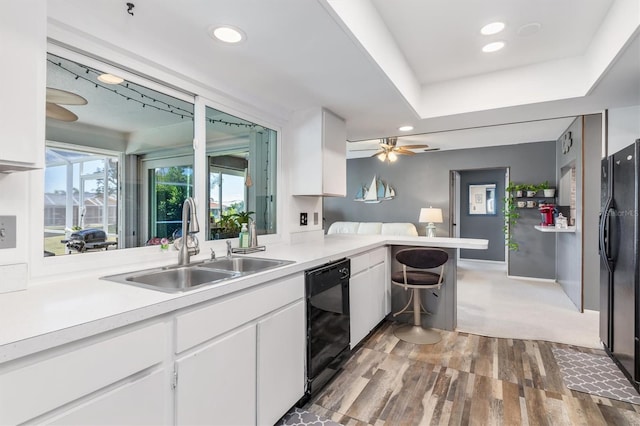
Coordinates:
<point>7,232</point>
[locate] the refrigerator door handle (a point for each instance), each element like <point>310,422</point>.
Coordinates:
<point>604,235</point>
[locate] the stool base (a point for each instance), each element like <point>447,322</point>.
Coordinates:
<point>416,334</point>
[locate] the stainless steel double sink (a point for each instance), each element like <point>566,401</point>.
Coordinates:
<point>188,277</point>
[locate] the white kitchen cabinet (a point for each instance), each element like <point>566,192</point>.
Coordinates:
<point>23,39</point>
<point>369,290</point>
<point>217,384</point>
<point>141,402</point>
<point>241,359</point>
<point>81,374</point>
<point>318,144</point>
<point>281,362</point>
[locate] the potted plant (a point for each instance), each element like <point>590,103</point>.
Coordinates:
<point>511,214</point>
<point>228,225</point>
<point>531,189</point>
<point>548,191</point>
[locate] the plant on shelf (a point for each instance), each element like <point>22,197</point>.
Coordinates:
<point>547,190</point>
<point>511,214</point>
<point>531,189</point>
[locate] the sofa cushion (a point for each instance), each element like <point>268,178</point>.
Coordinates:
<point>369,228</point>
<point>399,229</point>
<point>344,228</point>
<point>373,228</point>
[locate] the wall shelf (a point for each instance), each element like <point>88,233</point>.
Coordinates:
<point>554,229</point>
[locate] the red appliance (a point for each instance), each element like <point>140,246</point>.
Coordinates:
<point>547,211</point>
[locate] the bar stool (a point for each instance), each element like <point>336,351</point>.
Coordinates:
<point>420,259</point>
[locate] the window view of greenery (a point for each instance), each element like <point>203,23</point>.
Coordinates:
<point>242,176</point>
<point>170,187</point>
<point>119,161</point>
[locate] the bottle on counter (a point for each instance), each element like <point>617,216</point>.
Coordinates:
<point>244,236</point>
<point>253,235</point>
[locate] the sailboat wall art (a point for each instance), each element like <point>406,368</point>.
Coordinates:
<point>377,191</point>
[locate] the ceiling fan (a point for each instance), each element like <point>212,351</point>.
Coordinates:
<point>56,97</point>
<point>389,149</point>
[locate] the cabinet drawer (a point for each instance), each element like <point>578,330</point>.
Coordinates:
<point>138,403</point>
<point>378,255</point>
<point>359,263</point>
<point>200,325</point>
<point>35,389</point>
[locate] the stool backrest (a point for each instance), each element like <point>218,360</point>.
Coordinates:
<point>422,258</point>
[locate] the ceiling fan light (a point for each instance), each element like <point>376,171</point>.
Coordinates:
<point>110,79</point>
<point>392,156</point>
<point>382,156</point>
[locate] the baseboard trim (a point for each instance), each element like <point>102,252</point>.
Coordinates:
<point>544,280</point>
<point>491,262</point>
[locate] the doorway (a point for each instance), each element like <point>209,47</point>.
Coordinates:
<point>478,195</point>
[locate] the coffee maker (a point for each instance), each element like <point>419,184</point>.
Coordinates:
<point>547,211</point>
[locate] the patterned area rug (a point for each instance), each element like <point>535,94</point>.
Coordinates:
<point>300,417</point>
<point>594,374</point>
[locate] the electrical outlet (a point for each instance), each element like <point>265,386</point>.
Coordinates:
<point>7,232</point>
<point>315,218</point>
<point>303,219</point>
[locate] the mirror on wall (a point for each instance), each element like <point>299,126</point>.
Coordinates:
<point>241,160</point>
<point>119,159</point>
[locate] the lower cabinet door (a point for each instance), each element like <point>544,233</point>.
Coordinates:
<point>379,296</point>
<point>281,362</point>
<point>216,385</point>
<point>361,306</point>
<point>141,402</point>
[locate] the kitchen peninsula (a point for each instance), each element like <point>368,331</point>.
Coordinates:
<point>61,330</point>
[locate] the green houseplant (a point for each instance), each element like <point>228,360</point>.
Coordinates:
<point>511,214</point>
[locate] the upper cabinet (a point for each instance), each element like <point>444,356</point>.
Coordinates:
<point>23,38</point>
<point>319,153</point>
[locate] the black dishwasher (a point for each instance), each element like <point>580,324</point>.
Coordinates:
<point>328,338</point>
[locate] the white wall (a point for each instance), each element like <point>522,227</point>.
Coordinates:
<point>624,127</point>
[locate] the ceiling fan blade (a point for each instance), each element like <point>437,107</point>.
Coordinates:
<point>431,149</point>
<point>59,113</point>
<point>365,149</point>
<point>413,146</point>
<point>57,96</point>
<point>403,151</point>
<point>377,153</point>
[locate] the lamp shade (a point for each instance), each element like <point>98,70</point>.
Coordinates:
<point>430,214</point>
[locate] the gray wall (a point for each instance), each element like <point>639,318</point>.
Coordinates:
<point>423,180</point>
<point>489,227</point>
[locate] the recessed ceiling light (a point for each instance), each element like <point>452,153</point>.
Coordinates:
<point>405,128</point>
<point>529,29</point>
<point>493,47</point>
<point>110,79</point>
<point>228,34</point>
<point>492,28</point>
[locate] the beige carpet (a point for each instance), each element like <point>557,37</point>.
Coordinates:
<point>490,304</point>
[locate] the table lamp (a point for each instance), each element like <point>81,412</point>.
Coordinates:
<point>431,216</point>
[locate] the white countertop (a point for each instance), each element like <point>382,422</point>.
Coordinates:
<point>554,229</point>
<point>61,311</point>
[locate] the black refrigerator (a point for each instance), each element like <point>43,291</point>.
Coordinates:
<point>619,280</point>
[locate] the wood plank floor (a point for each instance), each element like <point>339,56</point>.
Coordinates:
<point>463,380</point>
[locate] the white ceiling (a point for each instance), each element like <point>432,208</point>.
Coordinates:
<point>380,64</point>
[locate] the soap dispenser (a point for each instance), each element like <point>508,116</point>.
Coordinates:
<point>244,236</point>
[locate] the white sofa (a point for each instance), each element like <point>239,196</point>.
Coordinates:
<point>369,228</point>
